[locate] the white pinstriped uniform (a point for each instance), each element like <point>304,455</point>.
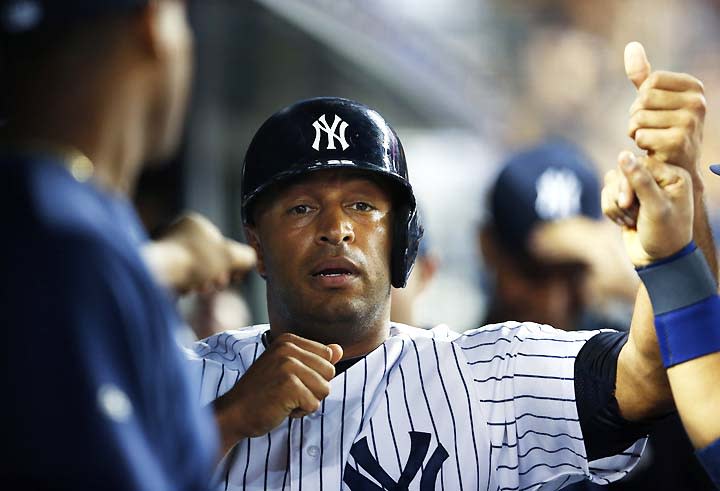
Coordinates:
<point>492,409</point>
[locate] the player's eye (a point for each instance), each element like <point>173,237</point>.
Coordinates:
<point>299,210</point>
<point>362,206</point>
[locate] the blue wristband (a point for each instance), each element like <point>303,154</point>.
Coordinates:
<point>710,459</point>
<point>687,309</point>
<point>689,332</point>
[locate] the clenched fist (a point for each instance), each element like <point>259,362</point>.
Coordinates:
<point>193,254</point>
<point>290,379</point>
<point>663,223</point>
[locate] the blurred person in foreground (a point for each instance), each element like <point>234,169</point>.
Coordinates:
<point>96,389</point>
<point>551,257</point>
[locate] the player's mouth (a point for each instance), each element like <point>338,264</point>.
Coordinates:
<point>334,273</point>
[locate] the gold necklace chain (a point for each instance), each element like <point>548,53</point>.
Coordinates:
<point>76,162</point>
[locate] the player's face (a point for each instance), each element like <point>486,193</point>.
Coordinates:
<point>324,248</point>
<point>554,298</point>
<point>174,43</point>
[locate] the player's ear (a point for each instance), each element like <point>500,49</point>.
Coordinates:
<point>486,246</point>
<point>430,264</point>
<point>253,239</point>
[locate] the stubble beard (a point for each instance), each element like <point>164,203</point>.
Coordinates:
<point>344,323</point>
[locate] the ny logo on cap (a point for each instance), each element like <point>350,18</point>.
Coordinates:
<point>321,125</point>
<point>558,194</point>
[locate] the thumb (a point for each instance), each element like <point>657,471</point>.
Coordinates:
<point>337,353</point>
<point>637,66</point>
<point>642,181</point>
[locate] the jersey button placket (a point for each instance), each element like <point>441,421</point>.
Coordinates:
<point>313,451</point>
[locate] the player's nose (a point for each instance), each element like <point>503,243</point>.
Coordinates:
<point>334,227</point>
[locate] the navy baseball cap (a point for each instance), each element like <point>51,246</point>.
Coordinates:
<point>21,16</point>
<point>552,181</point>
<point>715,168</point>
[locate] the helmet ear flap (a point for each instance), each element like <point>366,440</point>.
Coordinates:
<point>408,232</point>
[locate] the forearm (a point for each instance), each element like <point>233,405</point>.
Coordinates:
<point>642,387</point>
<point>227,419</point>
<point>697,396</point>
<point>710,458</point>
<point>683,290</point>
<point>702,232</point>
<point>168,262</point>
<point>694,383</point>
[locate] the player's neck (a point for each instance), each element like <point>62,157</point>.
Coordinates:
<point>355,342</point>
<point>367,344</point>
<point>106,130</point>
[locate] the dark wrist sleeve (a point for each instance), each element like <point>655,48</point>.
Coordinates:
<point>710,458</point>
<point>605,431</point>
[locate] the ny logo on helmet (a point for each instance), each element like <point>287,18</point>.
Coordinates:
<point>321,125</point>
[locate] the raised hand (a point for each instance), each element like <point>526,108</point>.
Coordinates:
<point>668,114</point>
<point>664,221</point>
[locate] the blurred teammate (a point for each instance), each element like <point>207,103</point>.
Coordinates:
<point>96,392</point>
<point>552,259</point>
<point>403,303</point>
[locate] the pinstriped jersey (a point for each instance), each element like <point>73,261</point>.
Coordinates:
<point>490,409</point>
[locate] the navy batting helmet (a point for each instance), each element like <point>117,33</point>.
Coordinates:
<point>332,133</point>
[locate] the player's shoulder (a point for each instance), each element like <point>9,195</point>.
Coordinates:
<point>438,332</point>
<point>528,338</point>
<point>42,199</point>
<point>229,346</point>
<point>439,337</point>
<point>521,331</point>
<point>62,224</point>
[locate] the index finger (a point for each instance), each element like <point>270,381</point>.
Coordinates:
<point>672,81</point>
<point>314,347</point>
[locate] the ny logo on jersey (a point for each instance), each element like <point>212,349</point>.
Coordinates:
<point>321,125</point>
<point>419,446</point>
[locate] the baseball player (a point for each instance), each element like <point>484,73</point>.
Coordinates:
<point>551,258</point>
<point>332,395</point>
<point>682,287</point>
<point>96,392</point>
<point>683,291</point>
